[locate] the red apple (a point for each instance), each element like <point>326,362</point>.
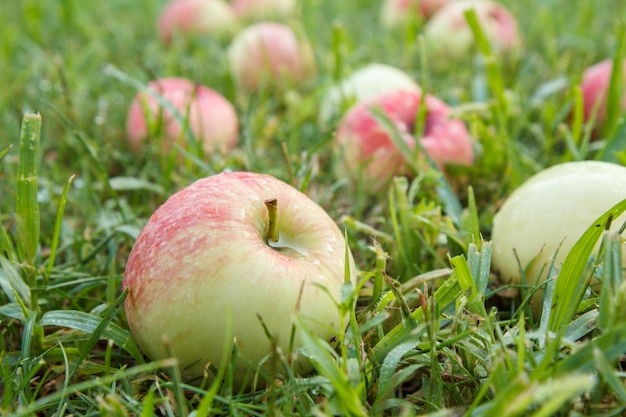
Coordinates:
<point>211,117</point>
<point>263,9</point>
<point>367,150</point>
<point>448,35</point>
<point>396,13</point>
<point>269,54</point>
<point>595,86</point>
<point>189,18</point>
<point>209,255</point>
<point>365,83</point>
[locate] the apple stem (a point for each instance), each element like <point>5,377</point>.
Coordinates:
<point>272,210</point>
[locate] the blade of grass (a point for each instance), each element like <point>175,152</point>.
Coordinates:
<point>571,284</point>
<point>88,323</point>
<point>57,230</point>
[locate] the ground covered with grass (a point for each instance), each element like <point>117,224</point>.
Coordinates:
<point>433,332</point>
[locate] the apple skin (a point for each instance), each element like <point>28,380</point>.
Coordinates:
<point>367,82</point>
<point>249,10</point>
<point>212,118</point>
<point>448,35</point>
<point>191,18</point>
<point>550,212</point>
<point>367,151</point>
<point>204,255</point>
<point>396,13</point>
<point>270,54</point>
<point>595,86</point>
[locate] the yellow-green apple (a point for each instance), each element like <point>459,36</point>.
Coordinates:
<point>248,10</point>
<point>396,13</point>
<point>595,85</point>
<point>368,153</point>
<point>365,83</point>
<point>540,222</point>
<point>189,18</point>
<point>210,116</point>
<point>270,54</point>
<point>224,251</point>
<point>448,35</point>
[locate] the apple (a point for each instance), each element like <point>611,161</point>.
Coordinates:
<point>212,118</point>
<point>270,54</point>
<point>595,85</point>
<point>365,83</point>
<point>542,220</point>
<point>263,9</point>
<point>448,35</point>
<point>367,151</point>
<point>189,18</point>
<point>396,13</point>
<point>232,247</point>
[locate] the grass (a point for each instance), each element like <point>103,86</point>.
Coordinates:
<point>431,333</point>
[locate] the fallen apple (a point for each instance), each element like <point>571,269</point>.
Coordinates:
<point>270,54</point>
<point>542,220</point>
<point>211,118</point>
<point>595,86</point>
<point>397,13</point>
<point>249,10</point>
<point>368,153</point>
<point>365,83</point>
<point>189,18</point>
<point>448,35</point>
<point>234,247</point>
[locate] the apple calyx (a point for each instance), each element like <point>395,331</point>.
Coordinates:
<point>272,230</point>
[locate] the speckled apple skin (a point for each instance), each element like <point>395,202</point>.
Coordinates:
<point>270,55</point>
<point>550,212</point>
<point>595,86</point>
<point>212,118</point>
<point>448,35</point>
<point>367,150</point>
<point>203,257</point>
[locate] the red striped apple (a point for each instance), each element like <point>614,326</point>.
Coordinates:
<point>368,153</point>
<point>448,35</point>
<point>229,248</point>
<point>211,117</point>
<point>189,18</point>
<point>270,54</point>
<point>365,83</point>
<point>595,86</point>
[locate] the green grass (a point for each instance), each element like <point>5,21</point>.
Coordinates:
<point>430,333</point>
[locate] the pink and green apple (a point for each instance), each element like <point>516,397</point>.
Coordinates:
<point>190,18</point>
<point>368,153</point>
<point>448,35</point>
<point>213,256</point>
<point>270,55</point>
<point>211,118</point>
<point>595,86</point>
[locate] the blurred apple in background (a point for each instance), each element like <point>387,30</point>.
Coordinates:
<point>211,118</point>
<point>208,259</point>
<point>368,153</point>
<point>249,10</point>
<point>448,35</point>
<point>396,13</point>
<point>270,55</point>
<point>189,18</point>
<point>595,86</point>
<point>365,83</point>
